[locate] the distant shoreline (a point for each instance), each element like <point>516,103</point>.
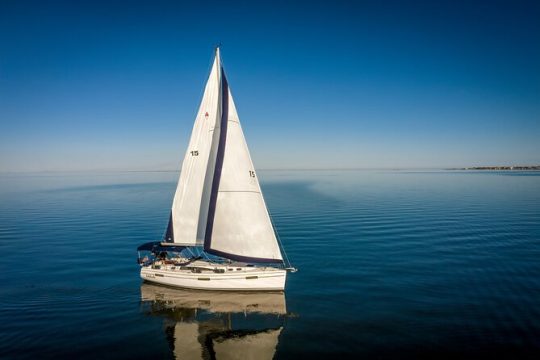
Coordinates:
<point>497,168</point>
<point>112,171</point>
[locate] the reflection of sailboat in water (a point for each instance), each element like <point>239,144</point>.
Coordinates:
<point>216,325</point>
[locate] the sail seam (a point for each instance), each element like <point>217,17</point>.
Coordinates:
<point>240,191</point>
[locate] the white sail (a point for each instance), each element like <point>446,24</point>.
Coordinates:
<point>187,222</point>
<point>239,225</point>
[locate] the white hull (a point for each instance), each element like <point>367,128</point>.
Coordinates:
<point>207,276</point>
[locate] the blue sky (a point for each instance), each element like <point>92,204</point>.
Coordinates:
<point>115,86</point>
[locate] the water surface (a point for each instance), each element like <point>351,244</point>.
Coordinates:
<point>393,264</point>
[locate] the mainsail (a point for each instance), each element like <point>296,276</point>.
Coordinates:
<point>187,221</point>
<point>219,198</point>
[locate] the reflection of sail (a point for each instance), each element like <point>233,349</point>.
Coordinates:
<point>194,340</point>
<point>201,324</point>
<point>261,345</point>
<point>186,337</point>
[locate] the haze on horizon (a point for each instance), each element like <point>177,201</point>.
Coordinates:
<point>110,86</point>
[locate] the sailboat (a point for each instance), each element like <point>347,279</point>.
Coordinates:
<point>220,235</point>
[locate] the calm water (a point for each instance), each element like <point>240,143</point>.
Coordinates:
<point>392,265</point>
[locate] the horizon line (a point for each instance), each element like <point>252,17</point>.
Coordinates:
<point>390,168</point>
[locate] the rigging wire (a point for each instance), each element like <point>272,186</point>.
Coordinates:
<point>288,263</point>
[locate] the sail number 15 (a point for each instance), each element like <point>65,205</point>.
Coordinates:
<point>251,173</point>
